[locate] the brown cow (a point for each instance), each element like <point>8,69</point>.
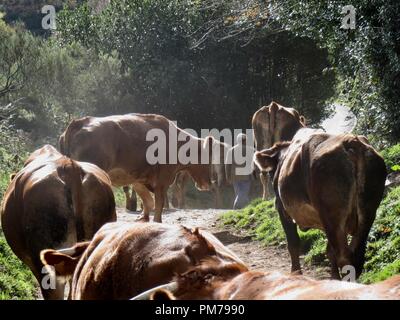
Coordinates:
<point>329,182</point>
<point>272,124</point>
<point>213,280</point>
<point>53,202</point>
<point>178,190</point>
<point>118,145</point>
<point>124,260</point>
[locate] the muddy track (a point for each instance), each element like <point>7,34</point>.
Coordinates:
<point>252,252</point>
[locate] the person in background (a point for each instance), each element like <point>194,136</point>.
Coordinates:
<point>239,169</point>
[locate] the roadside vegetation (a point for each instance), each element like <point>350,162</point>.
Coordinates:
<point>16,280</point>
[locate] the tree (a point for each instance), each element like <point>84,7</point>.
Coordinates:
<point>367,58</point>
<point>183,59</point>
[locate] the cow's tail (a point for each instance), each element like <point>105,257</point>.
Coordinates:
<point>355,150</point>
<point>72,175</point>
<point>67,137</point>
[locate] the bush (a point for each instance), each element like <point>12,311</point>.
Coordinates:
<point>383,249</point>
<point>392,157</point>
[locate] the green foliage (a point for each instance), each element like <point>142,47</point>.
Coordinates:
<point>392,157</point>
<point>383,251</point>
<point>261,221</point>
<point>174,69</point>
<point>366,59</point>
<point>16,280</point>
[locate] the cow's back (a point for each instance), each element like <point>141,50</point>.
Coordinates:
<point>117,144</point>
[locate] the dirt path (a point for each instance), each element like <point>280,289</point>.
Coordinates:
<point>253,253</point>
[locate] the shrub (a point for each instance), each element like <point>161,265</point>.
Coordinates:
<point>392,157</point>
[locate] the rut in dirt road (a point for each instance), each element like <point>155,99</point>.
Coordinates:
<point>252,252</point>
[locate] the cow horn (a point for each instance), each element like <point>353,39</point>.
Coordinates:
<point>146,295</point>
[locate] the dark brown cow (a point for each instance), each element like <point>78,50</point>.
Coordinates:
<point>124,260</point>
<point>53,202</point>
<point>118,145</point>
<point>272,124</point>
<point>215,281</point>
<point>329,182</point>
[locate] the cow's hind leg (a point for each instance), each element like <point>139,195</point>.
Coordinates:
<point>147,200</point>
<point>339,252</point>
<point>332,259</point>
<point>131,200</point>
<point>359,240</point>
<point>159,202</point>
<point>268,191</point>
<point>293,239</point>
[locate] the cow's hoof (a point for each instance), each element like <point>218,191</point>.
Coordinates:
<point>143,219</point>
<point>296,272</point>
<point>157,220</point>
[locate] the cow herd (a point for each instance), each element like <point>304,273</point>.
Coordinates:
<point>59,217</point>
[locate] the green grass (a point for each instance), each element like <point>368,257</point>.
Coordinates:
<point>16,280</point>
<point>119,197</point>
<point>383,249</point>
<point>261,221</point>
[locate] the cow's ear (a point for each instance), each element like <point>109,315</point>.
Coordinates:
<point>12,176</point>
<point>162,294</point>
<point>265,161</point>
<point>64,261</point>
<point>303,121</point>
<point>63,264</point>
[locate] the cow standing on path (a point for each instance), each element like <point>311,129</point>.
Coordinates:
<point>334,183</point>
<point>118,145</point>
<point>54,202</point>
<point>273,124</point>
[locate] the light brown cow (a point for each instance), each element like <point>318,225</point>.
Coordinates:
<point>334,183</point>
<point>213,280</point>
<point>178,190</point>
<point>124,260</point>
<point>53,202</point>
<point>272,124</point>
<point>118,145</point>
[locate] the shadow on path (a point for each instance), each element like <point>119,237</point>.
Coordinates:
<point>228,238</point>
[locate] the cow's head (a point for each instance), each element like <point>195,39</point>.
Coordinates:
<point>267,160</point>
